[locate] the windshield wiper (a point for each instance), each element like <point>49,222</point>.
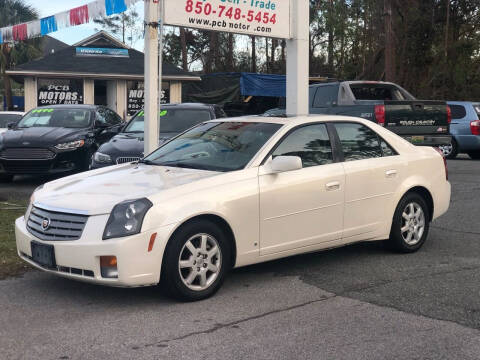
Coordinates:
<point>148,162</point>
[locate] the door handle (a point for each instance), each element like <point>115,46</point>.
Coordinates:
<point>335,185</point>
<point>391,173</point>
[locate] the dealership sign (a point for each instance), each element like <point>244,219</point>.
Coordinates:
<point>269,18</point>
<point>106,52</point>
<point>60,91</point>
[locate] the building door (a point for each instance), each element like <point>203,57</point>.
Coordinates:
<point>100,91</point>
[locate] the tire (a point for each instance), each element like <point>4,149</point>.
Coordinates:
<point>6,178</point>
<point>412,227</point>
<point>184,281</point>
<point>450,151</point>
<point>475,155</point>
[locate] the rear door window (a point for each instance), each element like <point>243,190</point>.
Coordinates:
<point>358,142</point>
<point>458,111</point>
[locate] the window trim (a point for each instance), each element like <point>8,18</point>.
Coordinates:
<point>289,132</point>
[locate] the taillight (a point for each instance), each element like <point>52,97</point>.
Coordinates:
<point>444,161</point>
<point>475,127</point>
<point>380,114</point>
<point>449,114</point>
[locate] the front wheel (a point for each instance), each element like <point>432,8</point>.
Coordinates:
<point>411,223</point>
<point>195,262</point>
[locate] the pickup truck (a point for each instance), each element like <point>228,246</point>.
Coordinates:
<point>421,122</point>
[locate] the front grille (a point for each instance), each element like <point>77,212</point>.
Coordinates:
<point>26,167</point>
<point>125,160</point>
<point>27,154</point>
<point>61,226</point>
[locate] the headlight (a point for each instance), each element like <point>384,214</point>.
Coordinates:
<point>102,158</point>
<point>126,218</point>
<point>71,145</point>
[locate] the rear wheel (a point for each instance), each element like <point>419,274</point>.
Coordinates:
<point>411,223</point>
<point>450,151</point>
<point>195,262</point>
<point>475,155</point>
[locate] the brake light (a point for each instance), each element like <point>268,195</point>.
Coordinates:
<point>380,114</point>
<point>475,127</point>
<point>444,161</point>
<point>449,115</point>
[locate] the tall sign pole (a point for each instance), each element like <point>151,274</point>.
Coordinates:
<point>160,61</point>
<point>298,59</point>
<point>151,76</point>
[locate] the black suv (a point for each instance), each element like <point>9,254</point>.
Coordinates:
<point>56,139</point>
<point>128,146</point>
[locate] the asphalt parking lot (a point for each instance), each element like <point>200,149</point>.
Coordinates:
<point>358,302</point>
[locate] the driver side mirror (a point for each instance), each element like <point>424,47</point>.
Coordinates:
<point>11,126</point>
<point>282,164</point>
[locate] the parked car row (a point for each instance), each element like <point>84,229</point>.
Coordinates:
<point>68,138</point>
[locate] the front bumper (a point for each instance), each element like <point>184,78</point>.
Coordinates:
<point>63,162</point>
<point>80,259</point>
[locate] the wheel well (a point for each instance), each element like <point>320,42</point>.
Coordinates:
<point>423,192</point>
<point>222,224</point>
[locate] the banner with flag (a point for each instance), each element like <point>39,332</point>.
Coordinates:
<point>73,17</point>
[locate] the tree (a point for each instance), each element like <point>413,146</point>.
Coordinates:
<point>124,25</point>
<point>15,12</point>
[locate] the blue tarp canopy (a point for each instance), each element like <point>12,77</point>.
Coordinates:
<point>252,84</point>
<point>263,85</point>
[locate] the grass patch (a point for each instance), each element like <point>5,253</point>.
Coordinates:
<point>10,263</point>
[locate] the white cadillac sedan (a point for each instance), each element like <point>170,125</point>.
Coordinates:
<point>230,193</point>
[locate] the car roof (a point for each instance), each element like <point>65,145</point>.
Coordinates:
<point>293,120</point>
<point>70,106</point>
<point>460,103</point>
<point>189,105</point>
<point>12,112</point>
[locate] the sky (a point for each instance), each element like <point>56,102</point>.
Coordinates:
<point>73,34</point>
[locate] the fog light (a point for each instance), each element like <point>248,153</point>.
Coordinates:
<point>108,267</point>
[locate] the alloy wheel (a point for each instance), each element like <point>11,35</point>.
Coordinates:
<point>200,262</point>
<point>413,223</point>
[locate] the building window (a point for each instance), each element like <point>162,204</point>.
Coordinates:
<point>136,96</point>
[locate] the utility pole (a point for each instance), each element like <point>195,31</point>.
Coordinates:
<point>151,76</point>
<point>298,59</point>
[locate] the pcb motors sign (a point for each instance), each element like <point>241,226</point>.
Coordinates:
<point>270,18</point>
<point>59,92</point>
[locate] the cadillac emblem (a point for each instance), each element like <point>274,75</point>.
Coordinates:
<point>45,224</point>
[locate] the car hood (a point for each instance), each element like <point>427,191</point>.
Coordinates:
<point>129,144</point>
<point>40,136</point>
<point>97,192</point>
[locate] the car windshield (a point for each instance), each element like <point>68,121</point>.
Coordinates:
<point>65,118</point>
<point>225,146</point>
<point>6,119</point>
<point>172,120</point>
